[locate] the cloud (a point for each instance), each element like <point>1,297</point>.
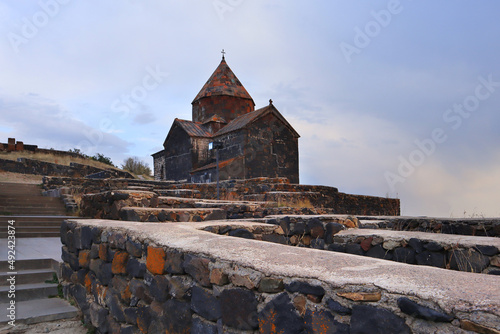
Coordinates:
<point>144,117</point>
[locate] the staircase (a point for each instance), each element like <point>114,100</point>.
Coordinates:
<point>34,285</point>
<point>35,216</point>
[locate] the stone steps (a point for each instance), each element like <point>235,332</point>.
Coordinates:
<point>32,292</point>
<point>32,226</point>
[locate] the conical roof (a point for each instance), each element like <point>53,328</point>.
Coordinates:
<point>223,82</point>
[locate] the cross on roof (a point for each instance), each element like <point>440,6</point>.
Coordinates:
<point>223,53</point>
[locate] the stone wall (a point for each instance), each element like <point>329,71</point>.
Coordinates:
<point>333,233</point>
<point>152,278</point>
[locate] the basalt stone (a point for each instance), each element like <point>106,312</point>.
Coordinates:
<point>120,259</point>
<point>305,288</point>
<point>416,244</point>
<point>428,258</point>
<point>114,305</point>
<point>96,235</point>
<point>66,272</point>
<point>177,316</point>
<point>321,321</point>
<point>130,315</point>
<point>433,246</point>
<point>80,294</point>
<point>366,244</point>
<point>98,315</point>
<point>331,230</point>
<point>117,240</point>
<point>120,285</point>
<point>316,228</point>
<point>494,272</point>
<point>129,329</point>
<point>159,288</point>
<point>162,216</point>
<point>144,318</point>
<point>140,291</point>
<point>335,247</point>
<point>134,248</point>
<point>153,219</point>
<point>404,254</point>
<point>354,248</point>
<point>379,252</point>
<point>369,319</point>
<point>468,260</point>
<point>173,262</point>
<point>225,229</point>
<point>94,251</point>
<point>112,326</point>
<point>180,287</point>
<point>203,327</point>
<point>275,238</point>
<point>197,267</point>
<point>204,303</point>
<point>409,307</point>
<point>129,215</point>
<point>70,258</point>
<point>337,307</point>
<point>271,285</point>
<point>136,268</point>
<point>70,241</point>
<point>487,250</point>
<point>239,309</point>
<point>279,316</point>
<point>318,243</point>
<point>63,230</point>
<point>242,233</point>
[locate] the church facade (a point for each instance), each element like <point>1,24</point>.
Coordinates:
<point>253,143</point>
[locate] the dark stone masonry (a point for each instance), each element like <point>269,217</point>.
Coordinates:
<point>125,281</point>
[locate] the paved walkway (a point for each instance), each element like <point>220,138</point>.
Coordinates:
<point>33,248</point>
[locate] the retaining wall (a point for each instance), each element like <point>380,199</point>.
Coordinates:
<point>155,278</point>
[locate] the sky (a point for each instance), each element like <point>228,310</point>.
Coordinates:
<point>391,98</point>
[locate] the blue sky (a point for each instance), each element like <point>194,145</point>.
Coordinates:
<point>391,98</point>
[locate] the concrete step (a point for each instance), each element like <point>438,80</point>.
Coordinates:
<point>185,193</point>
<point>28,276</point>
<point>29,291</point>
<point>30,264</point>
<point>33,235</point>
<point>20,224</point>
<point>171,215</point>
<point>30,228</point>
<point>39,310</point>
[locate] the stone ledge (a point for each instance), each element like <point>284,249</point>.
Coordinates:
<point>454,292</point>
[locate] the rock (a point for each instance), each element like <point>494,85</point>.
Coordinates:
<point>316,228</point>
<point>98,315</point>
<point>305,288</point>
<point>115,308</point>
<point>279,316</point>
<point>354,248</point>
<point>177,316</point>
<point>271,285</point>
<point>404,254</point>
<point>155,260</point>
<point>379,252</point>
<point>83,237</point>
<point>239,309</point>
<point>337,307</point>
<point>140,291</point>
<point>495,261</point>
<point>428,258</point>
<point>321,321</point>
<point>366,244</point>
<point>416,244</point>
<point>474,327</point>
<point>218,277</point>
<point>467,260</point>
<point>433,246</point>
<point>143,318</point>
<point>204,303</point>
<point>410,307</point>
<point>173,262</point>
<point>119,263</point>
<point>276,238</point>
<point>180,287</point>
<point>197,267</point>
<point>317,244</point>
<point>135,268</point>
<point>361,296</point>
<point>337,248</point>
<point>159,288</point>
<point>374,320</point>
<point>203,327</point>
<point>391,244</point>
<point>134,248</point>
<point>242,233</point>
<point>487,250</point>
<point>299,302</point>
<point>117,240</point>
<point>331,230</point>
<point>94,251</point>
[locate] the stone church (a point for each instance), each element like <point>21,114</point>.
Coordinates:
<point>253,143</point>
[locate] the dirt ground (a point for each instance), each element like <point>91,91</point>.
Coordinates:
<point>72,326</point>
